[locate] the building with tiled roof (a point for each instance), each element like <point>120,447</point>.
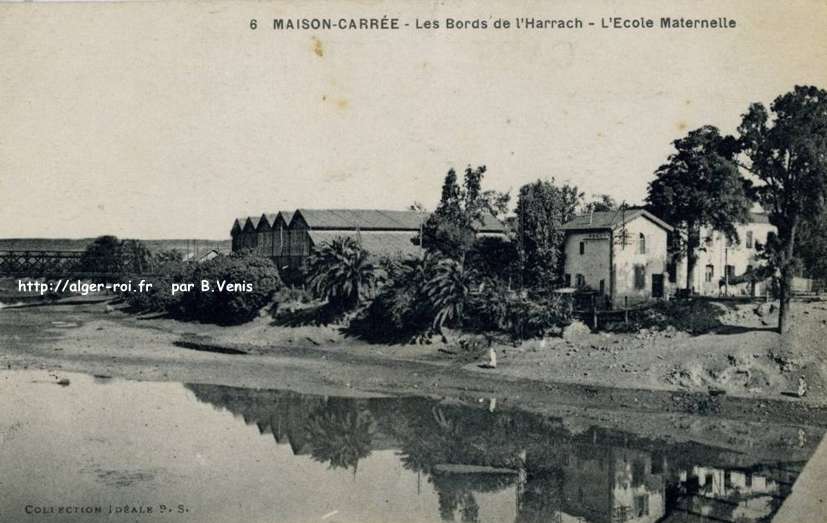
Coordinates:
<point>621,255</point>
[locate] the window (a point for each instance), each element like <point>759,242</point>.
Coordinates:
<point>568,280</point>
<point>579,280</point>
<point>641,506</point>
<point>749,240</point>
<point>582,248</point>
<point>638,473</point>
<point>602,287</point>
<point>710,273</point>
<point>641,243</point>
<point>640,276</point>
<point>672,270</point>
<point>729,270</point>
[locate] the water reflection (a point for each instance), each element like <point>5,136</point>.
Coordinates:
<point>557,475</point>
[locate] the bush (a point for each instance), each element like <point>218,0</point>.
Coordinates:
<point>341,273</point>
<point>257,276</point>
<point>448,291</point>
<point>226,306</point>
<point>401,308</point>
<point>692,316</point>
<point>159,297</point>
<point>535,318</point>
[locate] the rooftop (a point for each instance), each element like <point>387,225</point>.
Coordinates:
<point>603,220</point>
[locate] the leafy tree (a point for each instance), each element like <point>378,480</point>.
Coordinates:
<point>700,186</point>
<point>104,255</point>
<point>811,245</point>
<point>788,156</point>
<point>601,203</point>
<point>451,229</point>
<point>542,208</point>
<point>136,256</point>
<point>341,272</point>
<point>494,257</point>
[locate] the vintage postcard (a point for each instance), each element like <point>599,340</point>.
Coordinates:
<point>374,261</point>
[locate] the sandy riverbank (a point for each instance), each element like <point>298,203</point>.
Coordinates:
<point>655,372</point>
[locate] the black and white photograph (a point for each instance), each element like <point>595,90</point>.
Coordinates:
<point>397,261</point>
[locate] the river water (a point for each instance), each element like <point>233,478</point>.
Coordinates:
<point>108,449</point>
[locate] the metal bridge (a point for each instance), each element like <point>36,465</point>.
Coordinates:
<point>33,263</point>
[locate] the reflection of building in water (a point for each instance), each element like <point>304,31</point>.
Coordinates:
<point>709,493</point>
<point>613,484</point>
<point>284,415</point>
<point>595,475</point>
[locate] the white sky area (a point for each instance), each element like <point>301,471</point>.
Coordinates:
<point>155,120</point>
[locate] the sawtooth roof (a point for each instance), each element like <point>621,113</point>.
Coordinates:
<point>269,219</point>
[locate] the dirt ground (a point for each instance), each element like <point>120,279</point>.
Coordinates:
<point>739,373</point>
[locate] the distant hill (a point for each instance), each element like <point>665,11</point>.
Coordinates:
<point>65,244</point>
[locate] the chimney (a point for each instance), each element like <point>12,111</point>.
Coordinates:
<point>591,215</point>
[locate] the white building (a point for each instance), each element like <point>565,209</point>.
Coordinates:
<point>721,262</point>
<point>620,254</point>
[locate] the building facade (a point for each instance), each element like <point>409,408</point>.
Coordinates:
<point>622,255</point>
<point>722,264</point>
<point>289,238</point>
<point>271,234</point>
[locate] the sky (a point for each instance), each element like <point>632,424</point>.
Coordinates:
<point>168,120</point>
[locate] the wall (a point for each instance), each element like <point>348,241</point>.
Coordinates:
<point>593,264</point>
<point>718,253</point>
<point>264,239</point>
<point>627,257</point>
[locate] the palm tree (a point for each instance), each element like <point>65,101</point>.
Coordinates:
<point>341,272</point>
<point>448,291</point>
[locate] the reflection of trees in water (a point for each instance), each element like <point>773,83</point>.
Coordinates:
<point>459,436</point>
<point>455,435</point>
<point>456,492</point>
<point>340,434</point>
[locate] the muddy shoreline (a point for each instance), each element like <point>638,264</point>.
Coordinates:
<point>95,338</point>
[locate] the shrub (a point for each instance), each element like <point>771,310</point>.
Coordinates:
<point>535,318</point>
<point>448,291</point>
<point>522,316</point>
<point>340,272</point>
<point>488,306</point>
<point>158,297</point>
<point>226,306</point>
<point>401,307</point>
<point>692,316</point>
<point>259,279</point>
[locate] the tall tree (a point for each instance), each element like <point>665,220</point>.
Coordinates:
<point>451,229</point>
<point>811,245</point>
<point>601,203</point>
<point>104,255</point>
<point>788,156</point>
<point>699,186</point>
<point>542,208</point>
